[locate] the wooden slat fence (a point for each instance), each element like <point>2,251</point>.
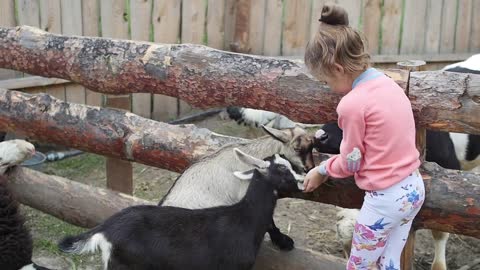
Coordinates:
<point>442,30</point>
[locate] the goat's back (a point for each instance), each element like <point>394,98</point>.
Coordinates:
<point>210,182</point>
<point>178,238</point>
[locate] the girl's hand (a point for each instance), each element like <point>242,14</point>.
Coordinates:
<point>313,179</point>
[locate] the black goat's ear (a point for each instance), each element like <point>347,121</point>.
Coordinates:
<point>246,175</point>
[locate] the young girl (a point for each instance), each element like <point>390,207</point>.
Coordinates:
<point>378,145</point>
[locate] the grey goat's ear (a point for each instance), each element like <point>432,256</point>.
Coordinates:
<point>246,175</point>
<point>250,160</point>
<point>277,134</point>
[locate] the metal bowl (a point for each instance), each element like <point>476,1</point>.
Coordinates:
<point>35,162</point>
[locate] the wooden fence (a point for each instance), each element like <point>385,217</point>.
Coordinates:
<point>436,30</point>
<point>226,79</point>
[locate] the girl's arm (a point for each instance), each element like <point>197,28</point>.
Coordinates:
<point>352,121</point>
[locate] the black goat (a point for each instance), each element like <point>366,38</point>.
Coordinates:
<point>15,239</point>
<point>170,238</point>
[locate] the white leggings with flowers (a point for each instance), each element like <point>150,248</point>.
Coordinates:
<point>383,224</point>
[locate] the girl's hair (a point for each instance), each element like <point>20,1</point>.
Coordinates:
<point>336,42</point>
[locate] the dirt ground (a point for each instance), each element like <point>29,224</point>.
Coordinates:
<point>310,224</point>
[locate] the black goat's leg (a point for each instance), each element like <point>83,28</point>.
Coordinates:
<point>282,241</point>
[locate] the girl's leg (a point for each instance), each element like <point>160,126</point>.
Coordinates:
<point>383,225</point>
<point>369,239</point>
<point>412,197</point>
<point>390,259</point>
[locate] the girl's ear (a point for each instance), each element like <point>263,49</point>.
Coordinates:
<point>338,69</point>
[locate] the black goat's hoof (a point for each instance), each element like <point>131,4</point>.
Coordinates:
<point>282,241</point>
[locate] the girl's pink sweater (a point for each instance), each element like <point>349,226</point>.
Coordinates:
<point>377,118</point>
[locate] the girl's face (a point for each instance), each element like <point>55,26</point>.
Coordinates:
<point>339,81</point>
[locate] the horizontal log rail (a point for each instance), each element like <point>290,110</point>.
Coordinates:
<point>109,132</point>
<point>452,204</point>
<point>206,77</point>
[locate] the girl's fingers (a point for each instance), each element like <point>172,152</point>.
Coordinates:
<point>306,185</point>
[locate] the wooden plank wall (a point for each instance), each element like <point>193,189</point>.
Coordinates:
<point>274,27</point>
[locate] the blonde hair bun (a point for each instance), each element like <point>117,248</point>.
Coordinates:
<point>333,14</point>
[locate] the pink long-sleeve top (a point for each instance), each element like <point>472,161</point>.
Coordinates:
<point>376,117</point>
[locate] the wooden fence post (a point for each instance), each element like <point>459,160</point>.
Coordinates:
<point>407,259</point>
<point>115,25</point>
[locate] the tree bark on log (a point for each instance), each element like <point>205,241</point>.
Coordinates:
<point>109,132</point>
<point>86,206</point>
<point>206,77</point>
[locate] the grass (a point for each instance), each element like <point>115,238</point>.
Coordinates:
<point>48,230</point>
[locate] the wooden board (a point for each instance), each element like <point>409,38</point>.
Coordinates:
<point>315,15</point>
<point>28,12</point>
<point>7,19</point>
<point>166,29</point>
<point>353,8</point>
<point>7,13</point>
<point>433,26</point>
<point>72,25</point>
<point>371,25</point>
<point>193,31</point>
<point>257,26</point>
<point>449,18</point>
<point>115,25</point>
<point>216,24</point>
<point>51,21</point>
<point>272,38</point>
<point>296,27</point>
<point>90,25</point>
<point>193,18</point>
<point>140,15</point>
<point>230,18</point>
<point>413,34</point>
<point>390,26</point>
<point>464,22</point>
<point>475,38</point>
<point>241,42</point>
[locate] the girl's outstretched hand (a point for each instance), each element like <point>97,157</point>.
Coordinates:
<point>313,179</point>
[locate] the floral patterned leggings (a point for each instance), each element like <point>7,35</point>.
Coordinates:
<point>383,224</point>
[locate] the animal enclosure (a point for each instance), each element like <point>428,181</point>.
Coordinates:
<point>208,78</point>
<point>120,67</point>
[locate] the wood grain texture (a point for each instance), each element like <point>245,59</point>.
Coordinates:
<point>115,25</point>
<point>140,15</point>
<point>216,24</point>
<point>91,27</point>
<point>413,35</point>
<point>166,29</point>
<point>273,28</point>
<point>464,25</point>
<point>390,31</point>
<point>449,19</point>
<point>371,28</point>
<point>433,26</point>
<point>296,28</point>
